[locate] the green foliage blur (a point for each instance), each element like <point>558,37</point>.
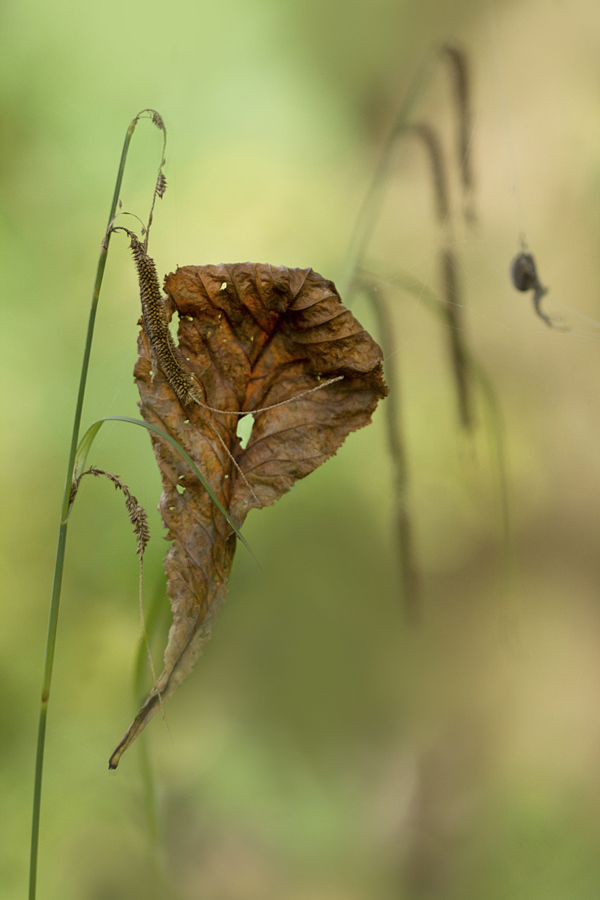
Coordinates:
<point>322,750</point>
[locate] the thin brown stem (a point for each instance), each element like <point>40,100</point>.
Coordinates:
<point>459,357</point>
<point>459,65</point>
<point>408,573</point>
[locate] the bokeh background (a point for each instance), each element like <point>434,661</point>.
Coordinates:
<point>322,750</point>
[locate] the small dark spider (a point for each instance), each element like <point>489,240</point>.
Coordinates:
<point>523,275</point>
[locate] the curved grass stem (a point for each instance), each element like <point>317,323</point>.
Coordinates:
<point>62,534</point>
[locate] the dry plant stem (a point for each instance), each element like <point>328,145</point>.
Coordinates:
<point>438,306</point>
<point>369,211</point>
<point>433,146</point>
<point>62,534</point>
<point>459,65</point>
<point>161,183</point>
<point>137,513</point>
<point>453,308</point>
<point>148,785</point>
<point>155,859</point>
<point>458,352</point>
<point>367,217</point>
<point>139,521</point>
<point>409,578</point>
<point>496,436</point>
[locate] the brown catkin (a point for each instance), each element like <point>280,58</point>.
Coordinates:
<point>163,352</point>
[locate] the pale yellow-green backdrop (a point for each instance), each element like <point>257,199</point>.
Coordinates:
<point>321,750</point>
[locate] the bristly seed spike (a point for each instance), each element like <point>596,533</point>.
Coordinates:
<point>163,353</point>
<point>157,119</point>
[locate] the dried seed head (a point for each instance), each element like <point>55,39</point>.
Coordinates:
<point>157,120</point>
<point>161,184</point>
<point>137,514</point>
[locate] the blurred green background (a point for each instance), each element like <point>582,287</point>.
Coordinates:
<point>322,750</point>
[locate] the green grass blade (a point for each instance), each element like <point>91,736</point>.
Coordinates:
<point>88,438</point>
<point>84,448</point>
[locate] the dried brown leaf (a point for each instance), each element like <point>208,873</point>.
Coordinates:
<point>252,336</point>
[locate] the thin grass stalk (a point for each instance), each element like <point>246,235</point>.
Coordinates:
<point>459,355</point>
<point>139,695</point>
<point>409,577</point>
<point>459,65</point>
<point>448,265</point>
<point>368,215</point>
<point>370,208</point>
<point>496,434</point>
<point>62,534</point>
<point>439,179</point>
<point>494,423</point>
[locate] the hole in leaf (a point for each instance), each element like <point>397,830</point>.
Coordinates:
<point>174,328</point>
<point>244,428</point>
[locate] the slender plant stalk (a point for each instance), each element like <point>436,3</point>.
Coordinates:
<point>460,68</point>
<point>430,140</point>
<point>62,534</point>
<point>448,265</point>
<point>459,354</point>
<point>367,217</point>
<point>494,423</point>
<point>139,694</point>
<point>496,432</point>
<point>141,666</point>
<point>369,211</point>
<point>409,576</point>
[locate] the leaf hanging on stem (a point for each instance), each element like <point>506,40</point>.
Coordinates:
<point>251,336</point>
